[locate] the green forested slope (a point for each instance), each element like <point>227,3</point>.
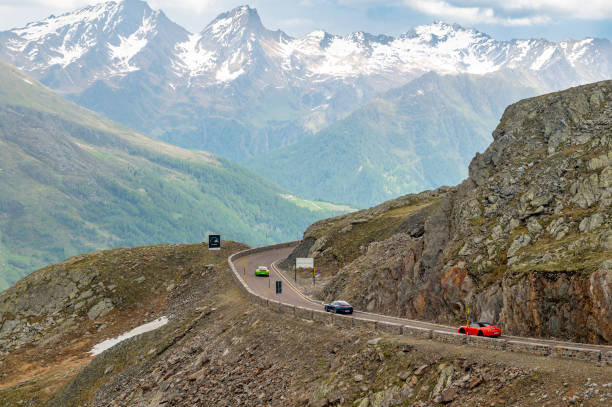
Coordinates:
<point>416,137</point>
<point>71,181</point>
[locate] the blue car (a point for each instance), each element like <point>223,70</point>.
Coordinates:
<point>339,307</point>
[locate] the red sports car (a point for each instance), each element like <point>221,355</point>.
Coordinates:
<point>480,329</point>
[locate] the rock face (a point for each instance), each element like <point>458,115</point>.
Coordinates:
<point>83,294</point>
<point>524,241</point>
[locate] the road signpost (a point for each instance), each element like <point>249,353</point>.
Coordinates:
<point>304,263</point>
<point>214,243</point>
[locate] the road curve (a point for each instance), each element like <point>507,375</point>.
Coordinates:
<point>265,287</point>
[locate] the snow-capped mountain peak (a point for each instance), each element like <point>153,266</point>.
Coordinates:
<point>237,26</point>
<point>232,22</point>
<point>119,37</point>
<point>112,34</point>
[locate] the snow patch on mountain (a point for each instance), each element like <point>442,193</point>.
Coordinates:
<point>67,55</point>
<point>191,59</point>
<point>53,26</point>
<point>232,25</point>
<point>226,74</point>
<point>129,47</point>
<point>222,28</point>
<point>109,343</point>
<point>543,58</point>
<point>576,50</point>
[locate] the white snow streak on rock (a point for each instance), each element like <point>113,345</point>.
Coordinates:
<point>53,25</point>
<point>67,55</point>
<point>109,343</point>
<point>543,58</point>
<point>224,74</point>
<point>578,50</point>
<point>193,59</point>
<point>130,46</point>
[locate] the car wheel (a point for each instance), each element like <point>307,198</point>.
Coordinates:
<point>480,333</point>
<point>461,331</point>
<point>335,311</point>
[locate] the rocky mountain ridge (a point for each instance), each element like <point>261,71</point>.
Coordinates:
<point>525,241</point>
<point>123,32</point>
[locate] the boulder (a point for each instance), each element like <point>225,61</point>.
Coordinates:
<point>100,309</point>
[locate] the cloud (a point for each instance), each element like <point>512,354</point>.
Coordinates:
<point>504,12</point>
<point>194,6</point>
<point>56,4</point>
<point>589,10</point>
<point>470,14</point>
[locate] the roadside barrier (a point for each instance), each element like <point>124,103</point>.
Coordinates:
<point>600,357</point>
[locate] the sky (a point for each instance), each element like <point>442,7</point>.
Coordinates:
<point>555,20</point>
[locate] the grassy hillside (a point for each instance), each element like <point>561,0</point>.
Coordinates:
<point>71,181</point>
<point>416,137</point>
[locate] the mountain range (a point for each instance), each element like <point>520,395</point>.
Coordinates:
<point>279,103</point>
<point>72,181</point>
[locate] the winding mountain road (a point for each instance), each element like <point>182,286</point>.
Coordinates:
<point>265,287</point>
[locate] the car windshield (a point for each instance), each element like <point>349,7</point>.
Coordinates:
<point>485,324</point>
<point>475,325</point>
<point>343,303</point>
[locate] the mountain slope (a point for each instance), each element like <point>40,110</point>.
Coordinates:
<point>412,138</point>
<point>241,90</point>
<point>211,350</point>
<point>524,242</point>
<point>71,182</point>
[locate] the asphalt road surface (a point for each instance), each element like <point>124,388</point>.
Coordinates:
<point>265,287</point>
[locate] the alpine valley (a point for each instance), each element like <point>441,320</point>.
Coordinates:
<point>412,109</point>
<point>72,182</point>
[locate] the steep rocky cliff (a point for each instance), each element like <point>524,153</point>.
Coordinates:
<point>525,241</point>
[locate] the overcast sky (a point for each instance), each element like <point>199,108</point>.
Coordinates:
<point>552,19</point>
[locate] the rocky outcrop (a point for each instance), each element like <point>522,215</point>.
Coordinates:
<point>49,303</point>
<point>525,241</point>
<point>88,294</point>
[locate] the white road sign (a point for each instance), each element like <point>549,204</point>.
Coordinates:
<point>304,262</point>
